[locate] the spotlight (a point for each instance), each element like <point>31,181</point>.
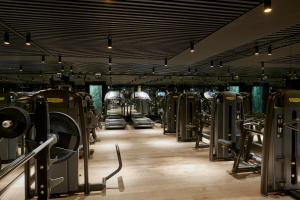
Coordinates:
<point>166,62</point>
<point>59,59</point>
<point>267,6</point>
<point>41,74</point>
<point>192,49</point>
<point>20,68</point>
<point>6,38</point>
<point>43,59</point>
<point>98,75</point>
<point>269,51</point>
<point>71,68</point>
<point>153,70</point>
<point>109,60</point>
<point>28,39</point>
<point>256,51</point>
<point>221,64</point>
<point>211,64</point>
<point>109,69</point>
<point>109,42</point>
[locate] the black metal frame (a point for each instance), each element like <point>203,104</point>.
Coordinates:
<point>44,140</point>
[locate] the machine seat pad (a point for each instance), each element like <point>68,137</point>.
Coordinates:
<point>226,143</point>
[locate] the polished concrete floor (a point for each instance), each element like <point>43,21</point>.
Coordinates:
<point>156,167</point>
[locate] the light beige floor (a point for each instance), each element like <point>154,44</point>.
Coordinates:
<point>156,167</point>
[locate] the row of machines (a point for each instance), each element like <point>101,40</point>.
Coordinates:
<point>186,114</point>
<point>256,142</point>
<point>266,143</point>
<point>56,127</point>
<point>118,108</point>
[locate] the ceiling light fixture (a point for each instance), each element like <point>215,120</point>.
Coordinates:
<point>109,60</point>
<point>153,70</point>
<point>59,59</point>
<point>71,68</point>
<point>20,68</point>
<point>62,68</point>
<point>269,51</point>
<point>109,69</point>
<point>43,59</point>
<point>28,39</point>
<point>109,42</point>
<point>256,51</point>
<point>263,67</point>
<point>192,49</point>
<point>6,38</point>
<point>267,6</point>
<point>166,62</point>
<point>211,63</point>
<point>221,64</point>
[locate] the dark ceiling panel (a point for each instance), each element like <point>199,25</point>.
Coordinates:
<point>280,39</point>
<point>141,29</point>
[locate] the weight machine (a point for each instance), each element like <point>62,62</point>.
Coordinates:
<point>248,156</point>
<point>205,120</point>
<point>187,123</point>
<point>9,147</point>
<point>281,152</point>
<point>52,138</point>
<point>170,112</point>
<point>225,129</point>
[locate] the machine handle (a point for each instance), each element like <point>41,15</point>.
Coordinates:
<point>119,167</point>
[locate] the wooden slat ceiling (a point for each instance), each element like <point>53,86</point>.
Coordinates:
<point>141,29</point>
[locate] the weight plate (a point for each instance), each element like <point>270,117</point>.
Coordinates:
<point>68,134</point>
<point>14,122</point>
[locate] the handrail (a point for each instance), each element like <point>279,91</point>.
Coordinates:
<point>120,164</point>
<point>25,158</point>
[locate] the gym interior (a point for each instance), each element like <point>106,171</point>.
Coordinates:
<point>150,99</point>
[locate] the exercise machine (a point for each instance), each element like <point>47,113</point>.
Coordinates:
<point>170,112</point>
<point>187,123</point>
<point>92,118</point>
<point>280,163</point>
<point>205,120</point>
<point>51,138</point>
<point>140,101</point>
<point>248,157</point>
<point>9,146</point>
<point>227,114</point>
<point>114,110</point>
